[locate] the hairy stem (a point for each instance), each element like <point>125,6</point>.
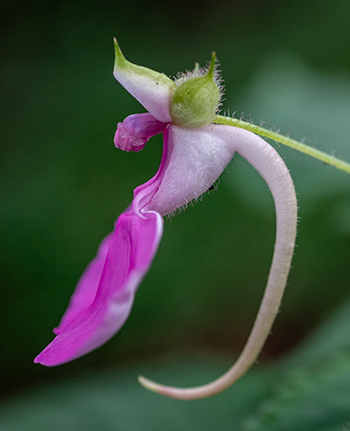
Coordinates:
<point>303,148</point>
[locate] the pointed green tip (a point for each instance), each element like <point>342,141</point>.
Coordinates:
<point>119,57</point>
<point>212,65</point>
<point>116,46</point>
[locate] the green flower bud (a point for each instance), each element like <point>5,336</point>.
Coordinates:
<point>196,100</point>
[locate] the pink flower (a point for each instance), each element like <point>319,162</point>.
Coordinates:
<point>195,153</point>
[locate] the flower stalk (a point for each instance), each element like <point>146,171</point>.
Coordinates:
<point>285,140</point>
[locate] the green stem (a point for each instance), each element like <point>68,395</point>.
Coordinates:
<point>303,148</point>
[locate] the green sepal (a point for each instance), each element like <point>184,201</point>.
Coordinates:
<point>196,100</point>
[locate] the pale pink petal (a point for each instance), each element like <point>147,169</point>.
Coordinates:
<point>129,257</point>
<point>198,157</point>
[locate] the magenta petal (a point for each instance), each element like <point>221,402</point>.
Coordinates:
<point>86,289</point>
<point>130,255</point>
<point>133,133</point>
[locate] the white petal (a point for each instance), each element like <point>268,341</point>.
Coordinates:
<point>152,89</point>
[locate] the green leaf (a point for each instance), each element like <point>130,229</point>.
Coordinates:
<point>314,393</point>
<point>316,399</point>
<point>331,338</point>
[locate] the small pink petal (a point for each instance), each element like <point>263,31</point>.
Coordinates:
<point>133,133</point>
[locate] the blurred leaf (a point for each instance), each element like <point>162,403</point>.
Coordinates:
<point>313,391</point>
<point>331,338</point>
<point>316,399</point>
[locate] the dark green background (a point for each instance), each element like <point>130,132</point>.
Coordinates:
<point>63,183</point>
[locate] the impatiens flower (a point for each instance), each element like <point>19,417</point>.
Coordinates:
<point>195,153</point>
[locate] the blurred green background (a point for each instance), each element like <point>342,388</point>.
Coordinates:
<point>63,183</point>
